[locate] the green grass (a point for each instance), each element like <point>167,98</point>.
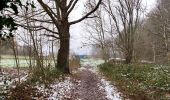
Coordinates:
<point>12,57</point>
<point>8,61</point>
<point>140,81</point>
<point>11,63</point>
<point>91,62</point>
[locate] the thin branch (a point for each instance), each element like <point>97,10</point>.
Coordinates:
<point>37,28</point>
<point>72,7</point>
<point>44,6</point>
<point>48,35</point>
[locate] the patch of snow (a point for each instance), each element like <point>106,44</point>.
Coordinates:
<point>91,62</point>
<point>58,91</point>
<point>24,78</point>
<point>111,91</point>
<point>146,61</point>
<point>82,68</point>
<point>116,59</point>
<point>94,70</point>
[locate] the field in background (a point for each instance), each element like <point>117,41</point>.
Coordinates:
<point>91,62</point>
<point>8,61</point>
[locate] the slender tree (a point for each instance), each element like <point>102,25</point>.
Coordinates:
<point>97,30</point>
<point>159,20</point>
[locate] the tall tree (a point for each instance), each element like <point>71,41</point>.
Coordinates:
<point>126,16</point>
<point>60,17</point>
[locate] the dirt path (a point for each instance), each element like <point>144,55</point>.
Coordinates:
<point>88,87</point>
<point>84,84</point>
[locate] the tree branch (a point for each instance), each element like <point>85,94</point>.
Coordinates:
<point>37,28</point>
<point>88,14</point>
<point>48,35</point>
<point>44,6</point>
<point>72,7</point>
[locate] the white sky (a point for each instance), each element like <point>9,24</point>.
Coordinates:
<point>78,33</point>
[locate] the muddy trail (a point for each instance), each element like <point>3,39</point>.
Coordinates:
<point>88,86</point>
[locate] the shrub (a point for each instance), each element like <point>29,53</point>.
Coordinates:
<point>45,76</point>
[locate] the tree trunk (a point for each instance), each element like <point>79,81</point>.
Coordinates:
<point>128,58</point>
<point>63,52</point>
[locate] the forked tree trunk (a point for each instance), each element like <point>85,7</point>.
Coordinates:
<point>63,52</point>
<point>60,19</point>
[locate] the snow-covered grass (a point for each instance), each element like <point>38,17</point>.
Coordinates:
<point>111,91</point>
<point>57,91</point>
<point>9,79</point>
<point>8,61</point>
<point>61,90</point>
<point>92,63</point>
<point>146,81</point>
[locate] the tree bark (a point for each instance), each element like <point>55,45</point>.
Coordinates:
<point>63,52</point>
<point>128,57</point>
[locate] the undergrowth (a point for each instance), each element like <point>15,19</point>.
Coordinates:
<point>140,81</point>
<point>27,90</point>
<point>45,76</point>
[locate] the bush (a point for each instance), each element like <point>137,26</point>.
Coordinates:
<point>45,76</point>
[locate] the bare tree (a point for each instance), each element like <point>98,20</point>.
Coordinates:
<point>159,20</point>
<point>126,16</point>
<point>58,15</point>
<point>96,28</point>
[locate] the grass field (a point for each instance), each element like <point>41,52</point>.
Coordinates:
<point>91,62</point>
<point>8,61</point>
<point>140,81</point>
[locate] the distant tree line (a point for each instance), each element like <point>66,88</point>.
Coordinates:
<point>6,48</point>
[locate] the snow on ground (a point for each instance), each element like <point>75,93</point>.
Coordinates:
<point>62,89</point>
<point>58,90</point>
<point>93,63</point>
<point>9,78</point>
<point>111,91</point>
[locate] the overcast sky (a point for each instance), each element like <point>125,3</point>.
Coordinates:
<point>78,32</point>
